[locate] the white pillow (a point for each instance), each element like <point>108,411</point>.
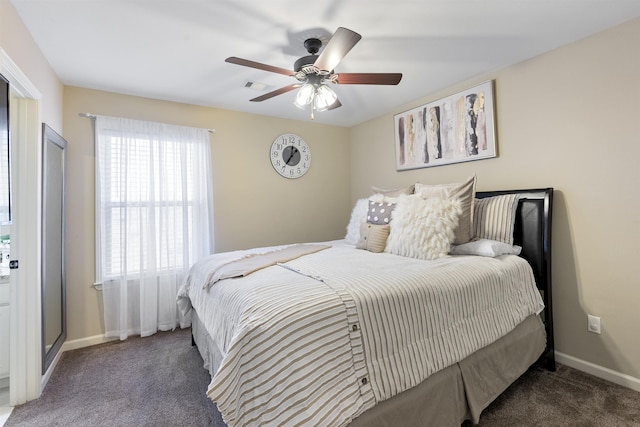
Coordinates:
<point>423,228</point>
<point>485,247</point>
<point>495,217</point>
<point>358,216</point>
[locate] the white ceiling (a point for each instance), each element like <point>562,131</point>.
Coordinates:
<point>175,50</point>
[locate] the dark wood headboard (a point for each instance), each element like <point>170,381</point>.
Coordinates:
<point>533,233</point>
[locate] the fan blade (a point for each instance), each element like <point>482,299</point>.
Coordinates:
<point>258,65</point>
<point>335,105</point>
<point>369,78</point>
<point>276,92</point>
<point>342,41</point>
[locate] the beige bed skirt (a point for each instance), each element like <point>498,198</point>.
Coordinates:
<point>447,398</point>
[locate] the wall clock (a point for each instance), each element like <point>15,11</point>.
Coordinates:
<point>290,155</point>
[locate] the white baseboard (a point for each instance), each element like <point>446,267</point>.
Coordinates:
<point>599,371</point>
<point>85,342</point>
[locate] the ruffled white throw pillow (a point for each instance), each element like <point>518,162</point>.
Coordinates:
<point>423,228</point>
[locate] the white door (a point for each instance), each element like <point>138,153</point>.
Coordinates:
<point>25,348</point>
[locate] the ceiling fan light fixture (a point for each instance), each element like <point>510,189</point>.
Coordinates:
<point>314,70</point>
<point>305,95</point>
<point>325,97</point>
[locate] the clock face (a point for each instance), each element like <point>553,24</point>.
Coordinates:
<point>290,156</point>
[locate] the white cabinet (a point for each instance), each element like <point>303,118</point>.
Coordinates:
<point>4,330</point>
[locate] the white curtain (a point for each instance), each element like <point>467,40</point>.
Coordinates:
<point>154,219</point>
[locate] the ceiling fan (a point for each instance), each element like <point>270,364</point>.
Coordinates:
<point>314,71</point>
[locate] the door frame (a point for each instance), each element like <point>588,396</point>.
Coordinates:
<point>25,378</point>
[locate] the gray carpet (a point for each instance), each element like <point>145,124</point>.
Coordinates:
<point>154,381</point>
<point>159,381</point>
<point>567,397</point>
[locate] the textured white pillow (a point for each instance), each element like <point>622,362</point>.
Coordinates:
<point>358,216</point>
<point>485,247</point>
<point>423,228</point>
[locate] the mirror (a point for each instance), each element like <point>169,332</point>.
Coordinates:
<point>5,159</point>
<point>54,323</point>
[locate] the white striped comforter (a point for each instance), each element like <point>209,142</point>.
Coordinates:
<point>322,338</point>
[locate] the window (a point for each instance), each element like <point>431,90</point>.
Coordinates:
<point>153,208</point>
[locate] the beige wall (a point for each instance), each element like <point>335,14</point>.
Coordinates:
<point>569,120</point>
<point>16,41</point>
<point>254,206</point>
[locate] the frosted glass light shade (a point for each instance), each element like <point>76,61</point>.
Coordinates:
<point>325,97</point>
<point>305,95</point>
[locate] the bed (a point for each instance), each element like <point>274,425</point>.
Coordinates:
<point>336,335</point>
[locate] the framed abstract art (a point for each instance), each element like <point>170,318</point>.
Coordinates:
<point>454,129</point>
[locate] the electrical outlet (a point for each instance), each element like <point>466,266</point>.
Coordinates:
<point>593,324</point>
